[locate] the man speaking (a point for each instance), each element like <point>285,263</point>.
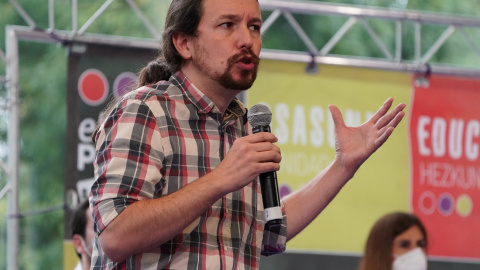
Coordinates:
<point>177,164</point>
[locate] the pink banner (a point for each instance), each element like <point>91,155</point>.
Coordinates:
<point>445,163</point>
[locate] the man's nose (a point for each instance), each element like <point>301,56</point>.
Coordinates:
<point>246,37</point>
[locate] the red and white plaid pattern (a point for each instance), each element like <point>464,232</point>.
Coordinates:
<point>158,139</point>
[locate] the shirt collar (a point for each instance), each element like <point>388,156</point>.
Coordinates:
<point>202,102</point>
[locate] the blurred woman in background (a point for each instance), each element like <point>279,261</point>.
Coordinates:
<point>397,241</point>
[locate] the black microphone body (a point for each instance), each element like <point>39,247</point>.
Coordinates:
<point>268,180</point>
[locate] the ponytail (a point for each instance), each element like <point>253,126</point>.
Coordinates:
<point>155,71</point>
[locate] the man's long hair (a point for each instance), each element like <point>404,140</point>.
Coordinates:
<point>182,16</point>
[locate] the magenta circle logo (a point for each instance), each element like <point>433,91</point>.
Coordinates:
<point>124,82</point>
<point>93,87</point>
<point>446,204</point>
<point>284,190</point>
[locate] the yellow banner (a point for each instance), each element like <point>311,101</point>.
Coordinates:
<point>302,122</point>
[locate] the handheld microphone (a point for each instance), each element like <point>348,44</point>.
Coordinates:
<point>260,116</point>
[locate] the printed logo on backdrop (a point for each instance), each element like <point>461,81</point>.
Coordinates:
<point>96,74</point>
<point>93,87</point>
<point>445,151</point>
<point>123,83</point>
<point>93,90</point>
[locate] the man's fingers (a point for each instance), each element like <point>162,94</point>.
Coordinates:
<point>382,111</point>
<point>390,119</point>
<point>386,131</point>
<point>383,138</point>
<point>265,146</point>
<point>336,116</point>
<point>260,137</point>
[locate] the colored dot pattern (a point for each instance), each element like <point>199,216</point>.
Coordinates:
<point>93,87</point>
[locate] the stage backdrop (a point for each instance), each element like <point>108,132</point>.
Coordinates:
<point>429,166</point>
<point>396,178</point>
<point>96,74</point>
<point>303,125</point>
<point>445,170</point>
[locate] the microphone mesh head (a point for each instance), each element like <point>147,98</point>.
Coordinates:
<point>259,115</point>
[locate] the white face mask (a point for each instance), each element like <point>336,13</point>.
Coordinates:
<point>415,259</point>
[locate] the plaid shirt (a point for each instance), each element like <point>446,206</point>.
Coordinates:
<point>160,138</point>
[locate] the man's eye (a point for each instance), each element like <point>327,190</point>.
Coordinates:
<point>255,27</point>
<point>227,25</point>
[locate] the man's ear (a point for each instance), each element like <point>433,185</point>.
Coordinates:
<point>182,43</point>
<point>77,243</point>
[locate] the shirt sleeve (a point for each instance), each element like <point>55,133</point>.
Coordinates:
<point>275,238</point>
<point>128,164</point>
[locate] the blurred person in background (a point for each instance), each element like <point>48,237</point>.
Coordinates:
<point>397,241</point>
<point>83,234</point>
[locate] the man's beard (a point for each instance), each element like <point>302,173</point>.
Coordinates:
<point>247,77</point>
